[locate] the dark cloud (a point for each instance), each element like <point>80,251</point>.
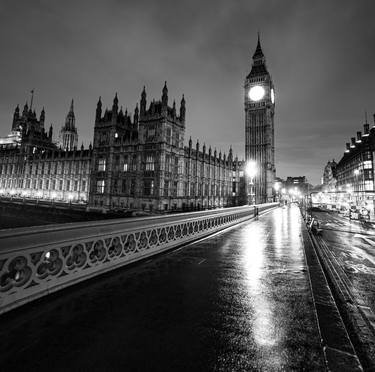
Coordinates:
<point>320,54</point>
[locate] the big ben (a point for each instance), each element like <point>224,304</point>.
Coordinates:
<point>259,126</point>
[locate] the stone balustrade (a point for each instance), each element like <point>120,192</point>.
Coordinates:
<point>37,261</point>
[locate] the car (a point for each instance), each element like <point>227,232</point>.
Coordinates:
<point>315,227</point>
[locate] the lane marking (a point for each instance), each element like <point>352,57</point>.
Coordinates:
<point>365,238</point>
<point>201,261</point>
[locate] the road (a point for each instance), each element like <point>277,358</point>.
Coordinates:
<point>353,248</point>
<point>238,301</point>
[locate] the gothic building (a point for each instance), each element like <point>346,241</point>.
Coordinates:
<point>259,125</point>
<point>141,161</point>
<point>32,166</point>
<point>68,134</point>
<point>137,161</point>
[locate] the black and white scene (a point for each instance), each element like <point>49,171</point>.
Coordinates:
<point>187,185</point>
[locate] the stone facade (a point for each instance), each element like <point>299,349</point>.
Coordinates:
<point>32,166</point>
<point>136,162</point>
<point>141,162</point>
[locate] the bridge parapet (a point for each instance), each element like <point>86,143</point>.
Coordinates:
<point>37,261</point>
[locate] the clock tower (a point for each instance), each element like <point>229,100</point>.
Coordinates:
<point>259,126</point>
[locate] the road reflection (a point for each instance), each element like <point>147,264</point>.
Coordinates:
<point>255,262</point>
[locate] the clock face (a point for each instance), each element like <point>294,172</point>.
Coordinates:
<point>256,93</point>
<point>272,96</point>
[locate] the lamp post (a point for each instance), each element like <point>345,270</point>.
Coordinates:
<point>251,171</point>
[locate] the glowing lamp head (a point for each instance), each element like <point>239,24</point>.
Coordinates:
<point>251,168</point>
<point>256,93</point>
<point>272,96</point>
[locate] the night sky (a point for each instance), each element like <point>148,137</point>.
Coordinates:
<point>321,55</point>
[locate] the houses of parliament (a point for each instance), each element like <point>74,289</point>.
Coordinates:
<point>137,161</point>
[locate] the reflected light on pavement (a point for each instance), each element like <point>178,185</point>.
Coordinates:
<point>255,262</point>
<point>295,231</point>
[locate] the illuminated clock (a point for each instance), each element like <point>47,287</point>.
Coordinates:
<point>256,93</point>
<point>272,96</point>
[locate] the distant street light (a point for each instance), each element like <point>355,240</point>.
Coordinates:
<point>251,171</point>
<point>277,188</point>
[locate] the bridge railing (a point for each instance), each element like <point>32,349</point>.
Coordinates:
<point>37,261</point>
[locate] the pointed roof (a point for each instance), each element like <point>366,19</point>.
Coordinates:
<point>259,64</point>
<point>258,51</point>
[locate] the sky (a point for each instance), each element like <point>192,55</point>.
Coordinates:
<point>320,54</point>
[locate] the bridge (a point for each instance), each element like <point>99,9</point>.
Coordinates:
<point>231,291</point>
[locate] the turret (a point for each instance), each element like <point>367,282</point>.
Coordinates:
<point>115,108</point>
<point>16,116</point>
<point>136,115</point>
<point>164,97</point>
<point>42,117</point>
<point>98,114</point>
<point>143,101</point>
<point>25,110</point>
<point>182,109</point>
<point>50,132</point>
<point>174,109</point>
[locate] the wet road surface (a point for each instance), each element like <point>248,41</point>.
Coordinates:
<point>239,301</point>
<point>353,246</point>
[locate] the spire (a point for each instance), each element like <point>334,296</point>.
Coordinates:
<point>182,109</point>
<point>25,109</point>
<point>70,119</point>
<point>32,98</point>
<point>164,97</point>
<point>174,109</point>
<point>136,114</point>
<point>98,114</point>
<point>258,51</point>
<point>115,108</point>
<point>143,101</point>
<point>42,116</point>
<point>71,106</point>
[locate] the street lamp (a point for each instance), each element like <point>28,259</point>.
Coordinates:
<point>251,171</point>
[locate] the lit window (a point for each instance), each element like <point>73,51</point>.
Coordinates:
<point>150,165</point>
<point>116,135</point>
<point>148,187</point>
<point>100,186</point>
<point>367,164</point>
<point>369,185</point>
<point>101,165</point>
